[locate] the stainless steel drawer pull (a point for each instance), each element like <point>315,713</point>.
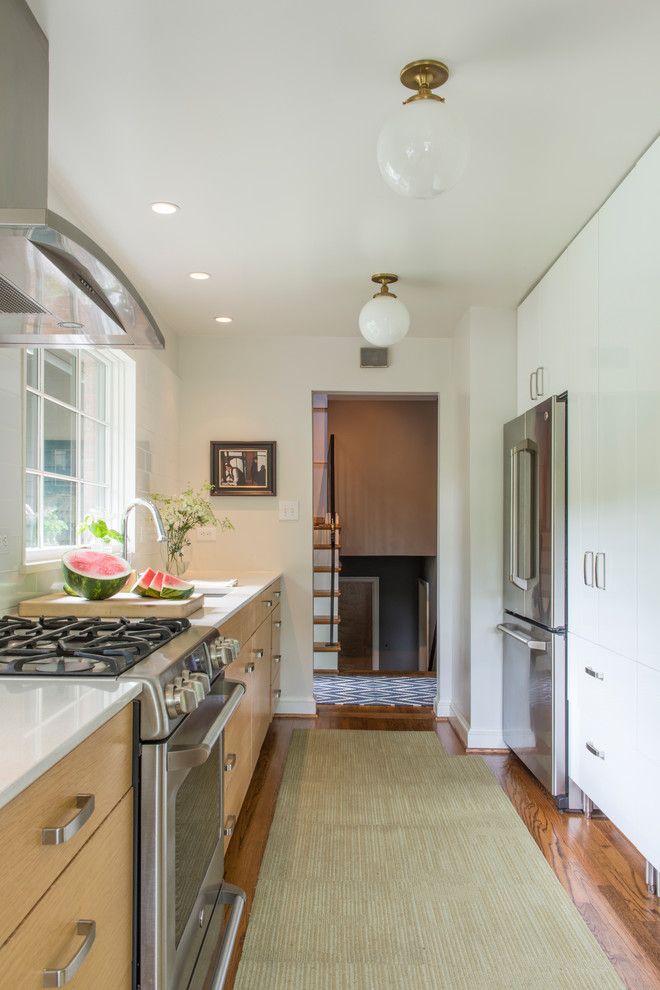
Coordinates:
<point>268,603</point>
<point>594,673</point>
<point>230,825</point>
<point>259,654</point>
<point>60,977</point>
<point>588,569</point>
<point>539,378</point>
<point>278,693</point>
<point>277,658</point>
<point>230,761</point>
<point>278,624</point>
<point>600,571</point>
<point>531,644</point>
<point>249,668</point>
<point>277,594</point>
<point>58,836</point>
<point>532,396</point>
<point>600,753</point>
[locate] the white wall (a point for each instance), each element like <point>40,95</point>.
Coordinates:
<point>485,356</point>
<point>261,389</point>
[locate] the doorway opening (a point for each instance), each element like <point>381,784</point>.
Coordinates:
<point>375,539</point>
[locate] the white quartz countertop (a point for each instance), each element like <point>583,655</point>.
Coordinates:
<point>221,607</point>
<point>42,722</point>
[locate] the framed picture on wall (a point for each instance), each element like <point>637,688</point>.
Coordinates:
<point>241,467</point>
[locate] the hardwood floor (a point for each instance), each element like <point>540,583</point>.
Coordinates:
<point>596,865</point>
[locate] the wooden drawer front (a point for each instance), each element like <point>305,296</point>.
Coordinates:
<point>237,760</point>
<point>262,699</point>
<point>100,766</point>
<point>268,600</point>
<point>276,640</point>
<point>275,694</point>
<point>97,886</point>
<point>275,668</point>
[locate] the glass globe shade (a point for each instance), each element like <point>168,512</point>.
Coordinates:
<point>422,149</point>
<point>384,320</point>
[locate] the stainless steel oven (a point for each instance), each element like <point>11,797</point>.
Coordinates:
<point>184,941</point>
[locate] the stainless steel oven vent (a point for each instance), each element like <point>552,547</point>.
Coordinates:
<point>12,300</point>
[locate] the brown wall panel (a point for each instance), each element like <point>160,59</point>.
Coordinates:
<point>386,474</point>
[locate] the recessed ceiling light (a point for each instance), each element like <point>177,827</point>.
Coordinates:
<point>200,276</point>
<point>223,319</point>
<point>164,208</point>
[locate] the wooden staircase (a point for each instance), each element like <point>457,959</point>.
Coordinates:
<point>326,594</point>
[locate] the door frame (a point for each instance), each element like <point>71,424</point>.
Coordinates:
<point>375,617</point>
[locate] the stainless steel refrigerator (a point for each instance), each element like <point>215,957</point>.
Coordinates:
<point>534,624</point>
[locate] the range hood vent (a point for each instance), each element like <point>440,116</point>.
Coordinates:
<point>13,301</point>
<point>57,287</point>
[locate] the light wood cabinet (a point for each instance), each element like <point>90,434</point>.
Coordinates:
<point>255,668</point>
<point>96,887</point>
<point>98,773</point>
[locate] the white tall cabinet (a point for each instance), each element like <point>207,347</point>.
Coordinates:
<point>593,325</point>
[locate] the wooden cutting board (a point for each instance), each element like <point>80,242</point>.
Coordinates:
<point>124,605</point>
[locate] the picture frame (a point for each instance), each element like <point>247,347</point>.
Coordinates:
<point>243,467</point>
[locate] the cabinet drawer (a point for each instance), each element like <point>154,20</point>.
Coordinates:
<point>275,668</point>
<point>97,886</point>
<point>99,769</point>
<point>276,639</point>
<point>268,600</point>
<point>238,758</point>
<point>603,689</point>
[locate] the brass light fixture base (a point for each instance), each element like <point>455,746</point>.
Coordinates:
<point>424,75</point>
<point>384,279</point>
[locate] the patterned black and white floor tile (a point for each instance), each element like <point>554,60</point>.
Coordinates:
<point>356,690</point>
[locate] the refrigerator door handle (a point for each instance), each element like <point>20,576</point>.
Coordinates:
<point>515,633</point>
<point>528,449</point>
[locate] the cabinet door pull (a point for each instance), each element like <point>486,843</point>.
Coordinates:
<point>58,836</point>
<point>277,658</point>
<point>259,654</point>
<point>230,761</point>
<point>277,594</point>
<point>230,825</point>
<point>249,668</point>
<point>539,375</point>
<point>268,603</point>
<point>278,624</point>
<point>588,568</point>
<point>600,753</point>
<point>594,673</point>
<point>278,693</point>
<point>600,571</point>
<point>60,977</point>
<point>532,376</point>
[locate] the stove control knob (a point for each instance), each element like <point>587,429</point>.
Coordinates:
<point>215,653</point>
<point>201,682</point>
<point>192,681</point>
<point>180,698</point>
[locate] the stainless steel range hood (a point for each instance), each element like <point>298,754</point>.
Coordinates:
<point>57,287</point>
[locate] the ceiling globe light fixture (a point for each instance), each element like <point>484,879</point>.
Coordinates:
<point>422,148</point>
<point>384,320</point>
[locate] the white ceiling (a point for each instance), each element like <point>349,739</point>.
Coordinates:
<point>260,120</point>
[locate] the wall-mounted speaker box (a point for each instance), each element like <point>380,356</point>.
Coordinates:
<point>374,357</point>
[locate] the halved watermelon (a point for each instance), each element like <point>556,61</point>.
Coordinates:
<point>142,585</point>
<point>93,574</point>
<point>174,587</point>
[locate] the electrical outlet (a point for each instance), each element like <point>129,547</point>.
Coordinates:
<point>289,511</point>
<point>4,543</point>
<point>206,534</point>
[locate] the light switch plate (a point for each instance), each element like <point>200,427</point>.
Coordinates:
<point>206,534</point>
<point>289,511</point>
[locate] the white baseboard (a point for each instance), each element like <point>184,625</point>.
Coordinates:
<point>296,706</point>
<point>485,739</point>
<point>442,707</point>
<point>459,724</point>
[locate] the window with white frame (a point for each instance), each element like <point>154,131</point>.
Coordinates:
<point>79,444</point>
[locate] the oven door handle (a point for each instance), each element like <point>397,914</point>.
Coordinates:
<point>203,975</point>
<point>196,753</point>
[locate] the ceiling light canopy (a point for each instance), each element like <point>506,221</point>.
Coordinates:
<point>164,208</point>
<point>223,319</point>
<point>200,276</point>
<point>422,148</point>
<point>384,320</point>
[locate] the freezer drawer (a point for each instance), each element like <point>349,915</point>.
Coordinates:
<point>534,577</point>
<point>534,700</point>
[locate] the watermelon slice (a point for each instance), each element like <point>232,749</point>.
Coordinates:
<point>153,590</point>
<point>174,587</point>
<point>142,585</point>
<point>94,575</point>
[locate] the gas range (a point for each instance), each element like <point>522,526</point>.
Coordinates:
<point>175,660</point>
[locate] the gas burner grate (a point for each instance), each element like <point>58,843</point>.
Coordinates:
<point>71,645</point>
